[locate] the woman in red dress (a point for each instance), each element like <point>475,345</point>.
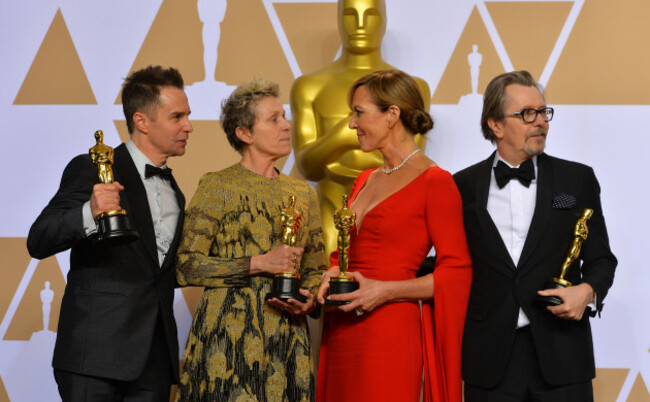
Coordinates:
<point>377,347</point>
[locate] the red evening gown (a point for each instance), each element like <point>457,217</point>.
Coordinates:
<point>381,355</point>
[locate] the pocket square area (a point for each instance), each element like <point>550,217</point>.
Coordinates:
<point>564,201</point>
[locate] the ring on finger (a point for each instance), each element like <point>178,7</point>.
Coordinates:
<point>359,312</point>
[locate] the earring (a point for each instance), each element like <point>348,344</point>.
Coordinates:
<point>390,125</point>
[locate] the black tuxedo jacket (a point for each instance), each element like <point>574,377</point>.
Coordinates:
<point>499,287</point>
<point>114,295</point>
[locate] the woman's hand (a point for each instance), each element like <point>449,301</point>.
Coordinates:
<point>280,259</point>
<point>294,306</point>
<point>324,287</point>
<point>370,295</point>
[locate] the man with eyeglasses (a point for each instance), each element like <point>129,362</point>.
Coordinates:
<point>520,208</point>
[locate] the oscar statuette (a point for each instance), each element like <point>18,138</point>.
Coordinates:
<point>286,284</point>
<point>113,227</point>
<point>580,235</point>
<point>343,283</point>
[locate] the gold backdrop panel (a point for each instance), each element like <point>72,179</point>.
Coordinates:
<point>311,31</point>
<point>605,60</point>
<point>250,47</point>
<point>455,81</point>
<point>529,44</point>
<point>15,259</point>
<point>56,76</point>
<point>28,318</point>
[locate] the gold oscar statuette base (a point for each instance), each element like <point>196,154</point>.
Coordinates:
<point>285,287</point>
<point>564,283</point>
<point>114,228</point>
<point>554,283</point>
<point>339,285</point>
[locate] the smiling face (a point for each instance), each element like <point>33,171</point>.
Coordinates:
<point>164,132</point>
<point>369,121</point>
<point>362,24</point>
<point>270,136</point>
<point>517,140</point>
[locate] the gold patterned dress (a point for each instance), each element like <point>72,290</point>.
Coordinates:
<point>240,348</point>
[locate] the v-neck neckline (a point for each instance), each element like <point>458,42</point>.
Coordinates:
<point>358,222</point>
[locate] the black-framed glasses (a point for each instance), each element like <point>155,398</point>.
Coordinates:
<point>530,115</point>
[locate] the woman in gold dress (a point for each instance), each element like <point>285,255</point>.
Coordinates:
<point>243,347</point>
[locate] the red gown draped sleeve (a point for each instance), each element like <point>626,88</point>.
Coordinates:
<point>444,319</point>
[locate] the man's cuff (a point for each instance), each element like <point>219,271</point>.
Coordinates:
<point>90,227</point>
<point>593,306</point>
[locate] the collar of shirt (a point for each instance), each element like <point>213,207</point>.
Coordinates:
<point>498,158</point>
<point>139,159</point>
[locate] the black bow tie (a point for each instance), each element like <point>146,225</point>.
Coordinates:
<point>150,170</point>
<point>525,173</point>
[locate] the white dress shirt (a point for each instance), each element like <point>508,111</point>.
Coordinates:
<point>512,208</point>
<point>162,203</point>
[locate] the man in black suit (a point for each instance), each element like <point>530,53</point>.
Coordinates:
<point>519,232</point>
<point>117,336</point>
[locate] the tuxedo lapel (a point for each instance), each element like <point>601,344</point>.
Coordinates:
<point>180,198</point>
<point>542,208</point>
<point>495,242</point>
<point>136,199</point>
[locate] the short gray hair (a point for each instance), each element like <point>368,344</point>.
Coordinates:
<point>495,97</point>
<point>238,109</point>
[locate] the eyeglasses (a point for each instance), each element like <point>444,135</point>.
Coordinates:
<point>530,115</point>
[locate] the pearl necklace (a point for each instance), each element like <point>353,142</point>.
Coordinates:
<point>389,171</point>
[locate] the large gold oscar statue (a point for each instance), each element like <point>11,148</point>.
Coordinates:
<point>326,150</point>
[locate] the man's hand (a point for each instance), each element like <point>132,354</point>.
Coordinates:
<point>105,197</point>
<point>576,298</point>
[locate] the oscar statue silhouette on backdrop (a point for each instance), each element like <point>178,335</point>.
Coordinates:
<point>47,295</point>
<point>474,60</point>
<point>472,102</point>
<point>211,14</point>
<point>326,150</point>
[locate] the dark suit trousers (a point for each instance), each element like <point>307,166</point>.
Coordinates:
<point>523,381</point>
<point>153,384</point>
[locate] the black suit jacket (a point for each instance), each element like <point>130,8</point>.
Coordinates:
<point>114,295</point>
<point>499,287</point>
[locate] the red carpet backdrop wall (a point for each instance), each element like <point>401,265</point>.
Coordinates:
<point>62,64</point>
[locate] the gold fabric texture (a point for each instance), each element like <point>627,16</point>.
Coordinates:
<point>239,347</point>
